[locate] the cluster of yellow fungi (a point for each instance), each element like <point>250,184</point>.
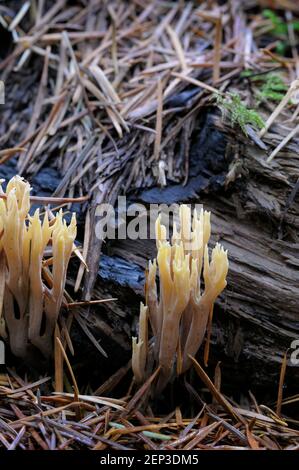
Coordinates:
<point>179,314</point>
<point>31,291</point>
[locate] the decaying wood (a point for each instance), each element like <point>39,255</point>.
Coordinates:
<point>256,319</point>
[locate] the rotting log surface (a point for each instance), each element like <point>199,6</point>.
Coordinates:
<point>253,216</point>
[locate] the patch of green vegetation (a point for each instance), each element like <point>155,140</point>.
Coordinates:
<point>278,24</point>
<point>271,85</point>
<point>247,73</point>
<point>281,47</point>
<point>232,107</point>
<point>273,88</point>
<point>280,29</point>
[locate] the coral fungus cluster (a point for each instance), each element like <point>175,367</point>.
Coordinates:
<point>31,293</point>
<point>179,314</point>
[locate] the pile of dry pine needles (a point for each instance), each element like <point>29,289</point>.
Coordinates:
<point>120,85</point>
<point>31,420</point>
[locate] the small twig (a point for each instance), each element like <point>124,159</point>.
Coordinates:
<point>76,389</point>
<point>219,397</point>
<point>294,87</point>
<point>55,200</point>
<point>283,143</point>
<point>158,121</point>
<point>198,83</point>
<point>89,302</point>
<point>281,383</point>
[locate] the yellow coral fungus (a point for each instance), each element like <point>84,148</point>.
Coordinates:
<point>179,315</point>
<point>29,306</point>
<point>140,346</point>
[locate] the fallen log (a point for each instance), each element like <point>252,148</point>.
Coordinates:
<point>256,318</point>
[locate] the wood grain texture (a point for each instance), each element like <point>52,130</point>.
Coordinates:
<point>257,317</point>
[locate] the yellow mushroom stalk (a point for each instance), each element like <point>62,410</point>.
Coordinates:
<point>140,346</point>
<point>174,276</point>
<point>179,315</point>
<point>200,306</point>
<point>29,307</point>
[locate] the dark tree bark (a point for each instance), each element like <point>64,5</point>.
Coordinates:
<point>255,215</point>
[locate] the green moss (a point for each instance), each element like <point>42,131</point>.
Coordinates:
<point>273,88</point>
<point>280,29</point>
<point>232,107</point>
<point>279,26</point>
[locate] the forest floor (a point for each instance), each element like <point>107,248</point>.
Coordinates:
<point>164,102</point>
